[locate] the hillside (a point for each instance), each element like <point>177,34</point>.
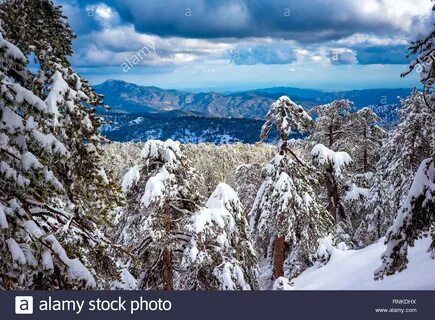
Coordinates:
<point>124,97</point>
<point>186,129</point>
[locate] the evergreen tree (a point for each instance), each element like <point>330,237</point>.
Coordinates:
<point>286,218</point>
<point>90,193</point>
<point>340,128</point>
<point>424,64</point>
<point>246,181</point>
<point>37,26</point>
<point>363,139</point>
<point>221,256</point>
<point>32,257</point>
<point>416,217</point>
<point>286,116</point>
<point>402,153</point>
<point>332,164</point>
<point>156,223</point>
<point>358,135</point>
<point>330,122</point>
<point>44,32</point>
<point>355,198</point>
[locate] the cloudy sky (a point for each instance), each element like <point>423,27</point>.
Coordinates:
<point>244,44</point>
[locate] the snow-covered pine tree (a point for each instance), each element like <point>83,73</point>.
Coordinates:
<point>70,97</point>
<point>220,255</point>
<point>424,65</point>
<point>357,134</point>
<point>90,193</point>
<point>330,122</point>
<point>246,180</point>
<point>362,139</point>
<point>332,165</point>
<point>155,225</point>
<point>287,219</point>
<point>354,201</point>
<point>416,217</point>
<point>401,155</point>
<point>286,116</point>
<point>340,128</point>
<point>32,257</point>
<point>21,23</point>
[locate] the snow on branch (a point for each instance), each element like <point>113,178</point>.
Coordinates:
<point>155,188</point>
<point>338,160</point>
<point>356,193</point>
<point>167,151</point>
<point>217,210</point>
<point>76,269</point>
<point>286,116</point>
<point>130,178</point>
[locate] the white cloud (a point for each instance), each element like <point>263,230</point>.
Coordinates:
<point>103,14</point>
<point>405,15</point>
<point>112,45</point>
<point>371,39</point>
<point>113,41</point>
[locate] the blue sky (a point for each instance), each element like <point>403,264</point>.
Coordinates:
<point>245,44</point>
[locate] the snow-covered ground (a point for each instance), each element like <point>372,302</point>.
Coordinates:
<point>353,270</point>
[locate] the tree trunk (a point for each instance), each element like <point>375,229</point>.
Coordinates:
<point>332,207</point>
<point>366,164</point>
<point>378,225</point>
<point>331,136</point>
<point>168,277</point>
<point>333,194</point>
<point>284,147</point>
<point>278,259</point>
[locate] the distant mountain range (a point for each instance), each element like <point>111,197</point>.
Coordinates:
<point>141,113</point>
<point>124,97</point>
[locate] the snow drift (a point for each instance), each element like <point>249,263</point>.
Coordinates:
<point>353,270</point>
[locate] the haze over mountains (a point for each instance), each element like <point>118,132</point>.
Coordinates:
<point>124,97</point>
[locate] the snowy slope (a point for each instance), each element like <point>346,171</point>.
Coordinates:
<point>353,270</point>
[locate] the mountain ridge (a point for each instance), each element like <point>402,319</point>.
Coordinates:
<point>125,97</point>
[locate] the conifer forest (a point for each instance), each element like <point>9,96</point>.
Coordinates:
<point>330,195</point>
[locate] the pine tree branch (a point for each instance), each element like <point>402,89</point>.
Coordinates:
<point>294,155</point>
<point>10,154</point>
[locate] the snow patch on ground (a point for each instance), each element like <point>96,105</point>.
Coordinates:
<point>354,269</point>
<point>127,281</point>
